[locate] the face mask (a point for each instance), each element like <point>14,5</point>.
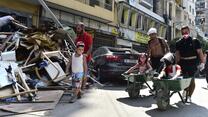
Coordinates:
<point>185,35</point>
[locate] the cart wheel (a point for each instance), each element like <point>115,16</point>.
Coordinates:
<point>163,99</point>
<point>133,92</point>
<point>162,104</point>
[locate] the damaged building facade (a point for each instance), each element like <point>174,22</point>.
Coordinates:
<point>135,17</point>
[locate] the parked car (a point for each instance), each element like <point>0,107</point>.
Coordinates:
<point>111,62</point>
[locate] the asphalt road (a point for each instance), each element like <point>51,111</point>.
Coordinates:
<point>113,101</point>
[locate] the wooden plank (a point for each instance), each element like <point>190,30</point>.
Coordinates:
<point>33,107</point>
<point>4,113</point>
<point>6,91</point>
<point>49,95</point>
<point>6,33</point>
<point>17,94</point>
<point>55,88</point>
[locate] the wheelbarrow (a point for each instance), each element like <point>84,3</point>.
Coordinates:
<point>165,88</point>
<point>135,83</point>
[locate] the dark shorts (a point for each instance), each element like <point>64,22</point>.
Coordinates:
<point>155,63</point>
<point>189,67</point>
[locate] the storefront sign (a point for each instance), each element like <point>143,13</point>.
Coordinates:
<point>114,31</point>
<point>141,38</point>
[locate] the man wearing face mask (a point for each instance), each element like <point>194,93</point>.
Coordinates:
<point>188,54</point>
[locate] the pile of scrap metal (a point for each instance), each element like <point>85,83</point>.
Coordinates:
<point>33,58</point>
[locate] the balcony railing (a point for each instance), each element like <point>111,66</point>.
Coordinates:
<point>100,3</point>
<point>147,1</point>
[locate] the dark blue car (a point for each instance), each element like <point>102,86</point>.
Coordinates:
<point>111,62</point>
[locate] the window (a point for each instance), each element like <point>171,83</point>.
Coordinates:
<point>152,23</point>
<point>108,4</point>
<point>192,23</point>
<point>161,31</point>
<point>189,21</point>
<point>139,22</point>
<point>145,23</point>
<point>185,17</point>
<point>132,21</point>
<point>124,16</point>
<point>157,25</point>
<point>190,9</point>
<point>170,10</point>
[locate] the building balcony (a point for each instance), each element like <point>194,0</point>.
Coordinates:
<point>146,3</point>
<point>94,9</point>
<point>201,9</point>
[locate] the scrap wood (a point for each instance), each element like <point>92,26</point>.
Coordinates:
<point>55,88</point>
<point>6,33</point>
<point>4,113</point>
<point>33,107</point>
<point>19,25</point>
<point>6,91</point>
<point>16,94</point>
<point>52,72</point>
<point>3,45</point>
<point>60,75</point>
<point>45,56</point>
<point>36,101</point>
<point>22,78</point>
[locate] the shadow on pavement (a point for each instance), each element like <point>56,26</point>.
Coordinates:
<point>205,88</point>
<point>118,86</point>
<point>142,101</point>
<point>180,110</point>
<point>115,88</point>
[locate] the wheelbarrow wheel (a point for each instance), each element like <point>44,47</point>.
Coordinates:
<point>133,92</point>
<point>162,104</point>
<point>163,99</point>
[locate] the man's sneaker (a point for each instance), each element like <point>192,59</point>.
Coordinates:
<point>189,99</point>
<point>79,95</point>
<point>73,99</point>
<point>184,94</point>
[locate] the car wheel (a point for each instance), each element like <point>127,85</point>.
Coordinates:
<point>100,76</point>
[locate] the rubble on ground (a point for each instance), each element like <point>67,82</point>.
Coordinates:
<point>33,60</point>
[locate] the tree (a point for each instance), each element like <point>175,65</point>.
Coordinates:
<point>204,43</point>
